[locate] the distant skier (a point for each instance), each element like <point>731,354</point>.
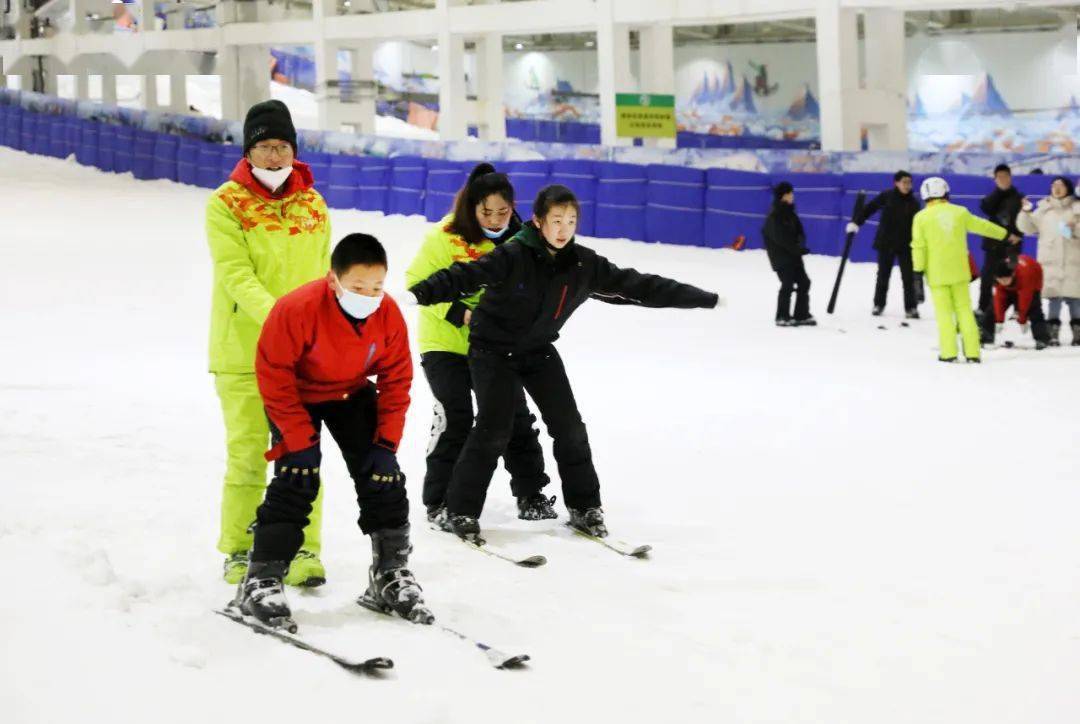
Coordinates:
<point>269,232</point>
<point>483,218</point>
<point>1018,286</point>
<point>939,250</point>
<point>534,283</point>
<point>892,241</point>
<point>317,350</point>
<point>1002,206</point>
<point>785,243</point>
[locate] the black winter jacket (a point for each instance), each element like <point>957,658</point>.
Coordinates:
<point>785,239</point>
<point>1001,207</point>
<point>530,293</point>
<point>897,213</point>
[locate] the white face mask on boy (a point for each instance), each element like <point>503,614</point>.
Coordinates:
<point>358,306</point>
<point>272,180</point>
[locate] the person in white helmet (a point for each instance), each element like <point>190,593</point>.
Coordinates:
<point>939,250</point>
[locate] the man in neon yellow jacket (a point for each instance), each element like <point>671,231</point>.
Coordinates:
<point>939,250</point>
<point>269,233</point>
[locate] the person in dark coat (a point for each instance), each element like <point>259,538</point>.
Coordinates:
<point>1002,206</point>
<point>898,207</point>
<point>785,243</point>
<point>534,283</point>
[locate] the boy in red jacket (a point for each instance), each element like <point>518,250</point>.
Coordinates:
<point>1019,286</point>
<point>317,349</point>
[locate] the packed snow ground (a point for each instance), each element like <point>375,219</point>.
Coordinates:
<point>845,530</point>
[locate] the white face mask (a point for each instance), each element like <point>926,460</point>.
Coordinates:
<point>272,180</point>
<point>358,306</point>
<point>496,233</point>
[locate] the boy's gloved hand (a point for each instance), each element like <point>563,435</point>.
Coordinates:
<point>381,463</point>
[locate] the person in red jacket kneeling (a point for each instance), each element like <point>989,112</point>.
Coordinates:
<point>317,350</point>
<point>1019,286</point>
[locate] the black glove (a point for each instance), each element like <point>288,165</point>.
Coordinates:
<point>456,314</point>
<point>382,465</point>
<point>301,468</point>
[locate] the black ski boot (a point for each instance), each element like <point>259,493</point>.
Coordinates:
<point>392,588</point>
<point>589,521</point>
<point>537,507</point>
<point>912,314</point>
<point>1054,328</point>
<point>439,518</point>
<point>467,528</point>
<point>806,322</point>
<point>262,595</point>
<point>1075,325</point>
<point>877,311</point>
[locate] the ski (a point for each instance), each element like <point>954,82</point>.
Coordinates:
<point>494,551</point>
<point>368,666</point>
<point>496,658</point>
<point>620,547</point>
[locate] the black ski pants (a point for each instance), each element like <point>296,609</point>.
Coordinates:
<point>451,384</point>
<point>498,379</point>
<point>793,279</point>
<point>281,518</point>
<point>885,259</point>
<point>1039,331</point>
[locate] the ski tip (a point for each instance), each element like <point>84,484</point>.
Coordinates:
<point>515,662</point>
<point>532,562</point>
<point>640,552</point>
<point>380,663</point>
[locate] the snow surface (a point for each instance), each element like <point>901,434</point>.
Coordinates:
<point>844,530</point>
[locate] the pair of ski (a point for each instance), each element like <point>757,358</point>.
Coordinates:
<point>620,547</point>
<point>495,657</point>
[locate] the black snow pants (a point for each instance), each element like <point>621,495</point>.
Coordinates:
<point>793,279</point>
<point>885,259</point>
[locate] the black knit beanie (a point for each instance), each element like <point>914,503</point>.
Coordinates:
<point>781,189</point>
<point>269,119</point>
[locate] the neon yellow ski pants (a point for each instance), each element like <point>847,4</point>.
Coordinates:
<point>952,307</point>
<point>247,437</point>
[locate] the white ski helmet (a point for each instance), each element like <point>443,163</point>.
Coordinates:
<point>934,187</point>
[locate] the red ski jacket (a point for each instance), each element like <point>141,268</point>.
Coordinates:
<point>310,352</point>
<point>1027,280</point>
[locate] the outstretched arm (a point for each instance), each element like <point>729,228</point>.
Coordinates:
<point>461,280</point>
<point>628,286</point>
<point>870,209</point>
<point>976,225</point>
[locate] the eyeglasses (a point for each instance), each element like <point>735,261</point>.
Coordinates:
<point>283,150</point>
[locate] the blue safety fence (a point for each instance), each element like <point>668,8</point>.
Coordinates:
<point>535,130</point>
<point>657,203</point>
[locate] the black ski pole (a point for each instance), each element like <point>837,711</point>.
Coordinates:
<point>859,201</point>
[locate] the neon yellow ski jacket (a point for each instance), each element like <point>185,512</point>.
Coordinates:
<point>262,247</point>
<point>939,246</point>
<point>440,328</point>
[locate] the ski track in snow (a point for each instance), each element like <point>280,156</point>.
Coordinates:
<point>844,530</point>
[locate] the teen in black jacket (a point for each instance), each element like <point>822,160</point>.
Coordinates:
<point>1002,206</point>
<point>898,207</point>
<point>533,284</point>
<point>785,243</point>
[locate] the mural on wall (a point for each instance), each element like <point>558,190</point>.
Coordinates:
<point>723,104</point>
<point>975,117</point>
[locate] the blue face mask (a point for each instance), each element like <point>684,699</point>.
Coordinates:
<point>494,234</point>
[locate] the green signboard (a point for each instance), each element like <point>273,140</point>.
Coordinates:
<point>644,115</point>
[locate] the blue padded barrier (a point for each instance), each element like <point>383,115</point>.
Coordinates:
<point>528,177</point>
<point>166,148</point>
<point>86,152</point>
<point>208,175</point>
<point>106,150</point>
<point>124,149</point>
<point>621,195</point>
<point>344,182</point>
<point>408,177</point>
<point>675,212</point>
<point>58,134</point>
<point>28,130</point>
<point>736,203</point>
<point>580,177</point>
<point>43,135</point>
<point>142,165</point>
<point>443,180</point>
<point>187,161</point>
<point>374,189</point>
<point>230,156</point>
<point>320,169</point>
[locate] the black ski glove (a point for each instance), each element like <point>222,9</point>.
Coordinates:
<point>301,468</point>
<point>381,463</point>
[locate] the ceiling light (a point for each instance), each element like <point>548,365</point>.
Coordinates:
<point>435,47</point>
<point>518,46</point>
<point>589,43</point>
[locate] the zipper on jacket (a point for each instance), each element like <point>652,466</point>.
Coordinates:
<point>235,306</point>
<point>562,301</point>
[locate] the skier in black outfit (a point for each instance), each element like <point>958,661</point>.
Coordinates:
<point>898,207</point>
<point>785,243</point>
<point>534,283</point>
<point>1002,206</point>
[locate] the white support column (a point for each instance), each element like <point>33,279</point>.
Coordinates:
<point>82,85</point>
<point>838,76</point>
<point>178,102</point>
<point>327,98</point>
<point>245,78</point>
<point>453,122</point>
<point>885,99</point>
<point>362,107</point>
<point>657,55</point>
<point>149,91</point>
<point>489,87</point>
<point>80,25</point>
<point>613,68</point>
<point>108,89</point>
